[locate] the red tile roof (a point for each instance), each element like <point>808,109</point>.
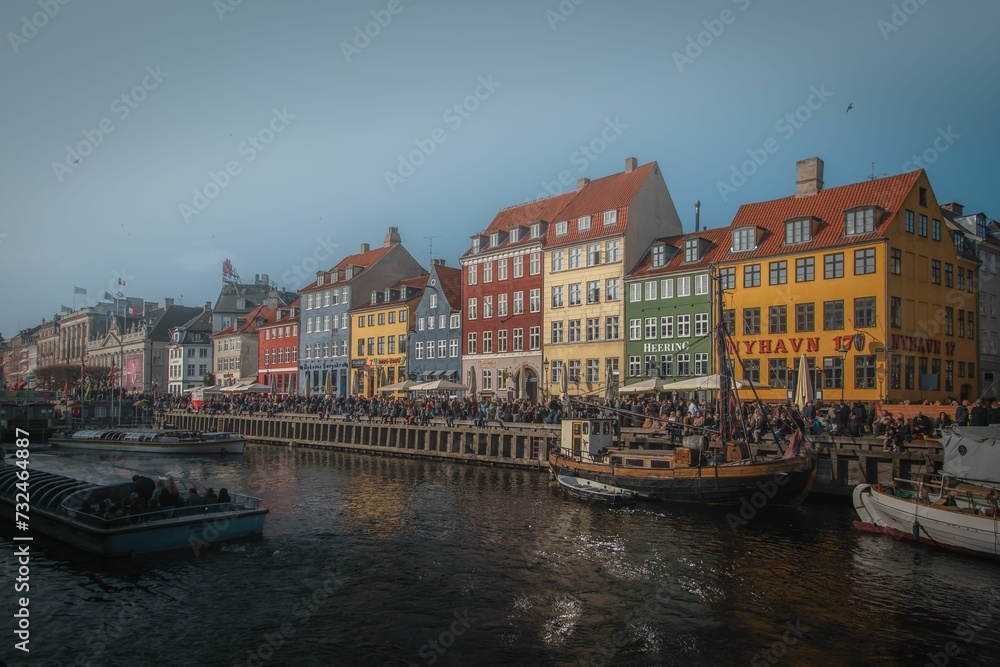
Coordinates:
<point>829,207</point>
<point>547,210</point>
<point>450,279</point>
<point>249,321</point>
<point>363,259</point>
<point>718,242</point>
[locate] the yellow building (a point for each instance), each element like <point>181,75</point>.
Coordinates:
<point>380,334</point>
<point>600,235</point>
<point>865,280</point>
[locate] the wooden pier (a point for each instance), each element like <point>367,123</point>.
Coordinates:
<point>842,462</point>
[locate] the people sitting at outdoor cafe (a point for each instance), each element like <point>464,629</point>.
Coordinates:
<point>923,427</point>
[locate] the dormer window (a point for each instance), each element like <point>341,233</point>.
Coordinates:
<point>744,239</point>
<point>475,244</point>
<point>348,273</point>
<point>799,230</point>
<point>514,235</point>
<point>610,218</point>
<point>319,279</point>
<point>374,297</point>
<point>241,303</point>
<point>495,239</point>
<point>388,294</point>
<point>562,228</point>
<point>583,224</point>
<point>859,220</point>
<point>692,250</point>
<point>536,230</point>
<point>658,257</point>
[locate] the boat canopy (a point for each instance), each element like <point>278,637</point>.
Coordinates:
<point>972,452</point>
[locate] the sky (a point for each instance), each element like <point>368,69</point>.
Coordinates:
<point>149,141</point>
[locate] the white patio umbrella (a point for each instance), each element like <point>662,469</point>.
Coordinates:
<point>438,385</point>
<point>472,381</point>
<point>522,383</point>
<point>803,387</point>
<point>405,385</point>
<point>710,383</point>
<point>609,383</point>
<point>650,386</point>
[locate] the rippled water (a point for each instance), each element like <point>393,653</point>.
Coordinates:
<point>387,561</point>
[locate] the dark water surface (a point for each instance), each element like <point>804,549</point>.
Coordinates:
<point>370,561</point>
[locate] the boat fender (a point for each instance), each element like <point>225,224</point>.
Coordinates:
<point>916,530</point>
<point>552,477</point>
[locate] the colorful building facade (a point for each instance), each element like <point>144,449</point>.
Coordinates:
<point>436,339</point>
<point>278,350</point>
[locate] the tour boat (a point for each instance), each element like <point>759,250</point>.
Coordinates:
<point>956,510</point>
<point>684,474</point>
<point>588,490</point>
<point>151,441</point>
<point>64,509</point>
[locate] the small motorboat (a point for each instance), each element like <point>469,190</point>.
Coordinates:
<point>588,490</point>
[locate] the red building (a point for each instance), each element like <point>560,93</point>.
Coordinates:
<point>278,350</point>
<point>502,300</point>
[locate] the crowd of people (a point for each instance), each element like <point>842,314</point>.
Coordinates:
<point>147,498</point>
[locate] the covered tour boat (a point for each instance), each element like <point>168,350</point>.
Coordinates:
<point>151,441</point>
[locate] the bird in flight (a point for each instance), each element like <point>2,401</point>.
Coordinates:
<point>849,107</point>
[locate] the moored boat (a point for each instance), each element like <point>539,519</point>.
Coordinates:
<point>171,441</point>
<point>66,509</point>
<point>956,510</point>
<point>589,490</point>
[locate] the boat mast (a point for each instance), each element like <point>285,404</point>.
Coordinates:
<point>721,358</point>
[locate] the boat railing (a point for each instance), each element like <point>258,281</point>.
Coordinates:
<point>239,503</point>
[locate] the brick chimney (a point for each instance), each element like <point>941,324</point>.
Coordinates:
<point>168,302</point>
<point>582,182</point>
<point>365,247</point>
<point>809,174</point>
<point>437,262</point>
<point>954,207</point>
<point>392,237</point>
<point>631,164</point>
<point>208,306</point>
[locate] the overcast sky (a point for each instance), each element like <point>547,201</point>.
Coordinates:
<point>118,113</point>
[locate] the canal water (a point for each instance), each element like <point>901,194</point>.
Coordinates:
<point>375,561</point>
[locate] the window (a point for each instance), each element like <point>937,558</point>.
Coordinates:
<point>593,329</point>
<point>936,230</point>
<point>612,251</point>
<point>651,290</point>
<point>922,227</point>
<point>471,349</point>
<point>896,262</point>
<point>536,230</point>
<point>751,275</point>
<point>961,279</point>
<point>777,373</point>
<point>923,196</point>
<point>949,321</point>
<point>593,292</point>
<point>692,250</point>
<point>833,315</point>
<point>487,307</point>
<point>864,261</point>
<point>610,217</point>
<point>777,319</point>
<point>583,224</point>
<point>833,372</point>
<point>534,338</point>
<point>751,370</point>
<point>420,323</point>
<point>683,364</point>
<point>683,326</point>
<point>456,321</point>
<point>658,256</point>
<point>949,275</point>
<point>472,309</point>
<point>556,371</point>
<point>798,231</point>
<point>779,273</point>
<point>557,260</point>
<point>701,324</point>
<point>684,286</point>
<point>949,375</point>
<point>593,370</point>
<point>575,295</point>
<point>859,221</point>
<point>557,296</point>
<point>593,254</point>
<point>635,292</point>
<point>430,347</point>
<point>895,371</point>
<point>501,305</point>
<point>611,328</point>
<point>666,368</point>
<point>751,321</point>
<point>518,266</point>
<point>518,339</point>
<point>701,284</point>
<point>487,342</point>
<point>535,263</point>
<point>556,333</point>
<point>487,380</point>
<point>744,239</point>
<point>729,320</point>
<point>727,277</point>
<point>896,311</point>
<point>972,324</point>
<point>650,328</point>
<point>909,222</point>
<point>574,331</point>
<point>518,303</point>
<point>833,266</point>
<point>488,272</point>
<point>635,328</point>
<point>535,300</point>
<point>805,269</point>
<point>701,363</point>
<point>864,371</point>
<point>935,272</point>
<point>562,228</point>
<point>805,317</point>
<point>667,288</point>
<point>502,269</point>
<point>634,366</point>
<point>667,326</point>
<point>864,312</point>
<point>473,274</point>
<point>612,287</point>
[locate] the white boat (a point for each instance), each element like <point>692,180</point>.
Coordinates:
<point>152,441</point>
<point>66,509</point>
<point>589,490</point>
<point>957,510</point>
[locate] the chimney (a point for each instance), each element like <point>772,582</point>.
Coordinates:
<point>631,164</point>
<point>582,182</point>
<point>809,174</point>
<point>208,306</point>
<point>272,299</point>
<point>697,216</point>
<point>168,302</point>
<point>954,207</point>
<point>365,247</point>
<point>437,262</point>
<point>265,279</point>
<point>391,237</point>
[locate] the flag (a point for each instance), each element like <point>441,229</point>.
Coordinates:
<point>66,309</point>
<point>131,310</point>
<point>121,281</point>
<point>79,290</point>
<point>107,296</point>
<point>121,295</point>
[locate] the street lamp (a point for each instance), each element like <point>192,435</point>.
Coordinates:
<point>545,380</point>
<point>844,349</point>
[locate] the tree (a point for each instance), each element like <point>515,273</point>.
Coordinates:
<point>209,379</point>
